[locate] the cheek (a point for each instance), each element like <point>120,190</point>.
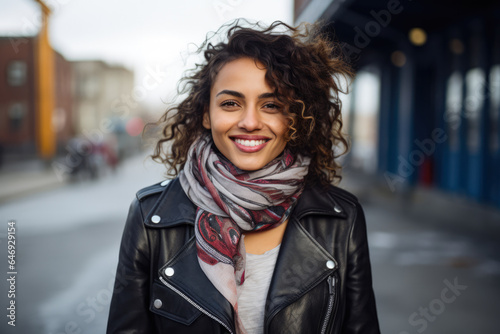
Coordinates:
<point>223,121</point>
<point>281,128</point>
<point>220,126</point>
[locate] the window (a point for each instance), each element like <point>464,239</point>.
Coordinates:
<point>454,99</point>
<point>494,91</point>
<point>16,113</point>
<point>364,116</point>
<point>16,73</point>
<point>474,101</point>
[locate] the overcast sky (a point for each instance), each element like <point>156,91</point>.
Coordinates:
<point>139,34</point>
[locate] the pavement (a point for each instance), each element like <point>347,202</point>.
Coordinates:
<point>428,206</point>
<point>21,179</point>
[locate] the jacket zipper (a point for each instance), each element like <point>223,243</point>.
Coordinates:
<point>331,290</point>
<point>194,304</point>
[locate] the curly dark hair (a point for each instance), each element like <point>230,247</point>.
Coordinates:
<point>303,66</point>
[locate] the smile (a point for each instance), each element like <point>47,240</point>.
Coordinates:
<point>249,143</point>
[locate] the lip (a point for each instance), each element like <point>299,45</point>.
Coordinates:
<point>250,137</point>
<point>249,149</point>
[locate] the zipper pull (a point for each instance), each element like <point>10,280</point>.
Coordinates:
<point>331,285</point>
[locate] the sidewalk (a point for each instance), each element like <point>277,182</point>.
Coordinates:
<point>21,179</point>
<point>429,206</point>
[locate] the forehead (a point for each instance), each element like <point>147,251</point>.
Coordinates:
<point>242,73</point>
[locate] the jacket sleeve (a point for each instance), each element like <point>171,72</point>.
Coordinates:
<point>129,309</point>
<point>361,313</point>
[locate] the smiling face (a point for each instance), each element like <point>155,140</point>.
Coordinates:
<point>247,122</point>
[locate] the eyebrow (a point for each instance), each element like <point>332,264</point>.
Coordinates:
<point>240,95</point>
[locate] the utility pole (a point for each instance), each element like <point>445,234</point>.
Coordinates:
<point>45,92</point>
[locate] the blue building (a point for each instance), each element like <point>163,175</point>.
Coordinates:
<point>436,72</point>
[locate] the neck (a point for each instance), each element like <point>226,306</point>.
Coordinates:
<point>259,242</point>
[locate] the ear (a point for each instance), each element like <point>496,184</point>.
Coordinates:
<point>206,120</point>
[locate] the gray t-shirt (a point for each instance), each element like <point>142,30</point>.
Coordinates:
<point>252,293</point>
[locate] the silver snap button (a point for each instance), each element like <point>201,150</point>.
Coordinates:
<point>330,264</point>
<point>164,183</point>
<point>169,271</point>
<point>337,209</point>
<point>156,219</point>
<point>157,303</point>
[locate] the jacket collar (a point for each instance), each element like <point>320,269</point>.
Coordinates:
<point>318,201</point>
<point>174,207</point>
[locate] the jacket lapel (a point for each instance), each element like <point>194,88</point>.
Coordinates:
<point>184,273</point>
<point>301,264</point>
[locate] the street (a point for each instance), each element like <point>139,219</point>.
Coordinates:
<point>67,244</point>
<point>430,280</point>
<point>427,279</point>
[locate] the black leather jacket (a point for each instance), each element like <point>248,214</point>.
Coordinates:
<point>321,283</point>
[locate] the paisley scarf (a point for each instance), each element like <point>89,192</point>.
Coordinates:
<point>231,201</point>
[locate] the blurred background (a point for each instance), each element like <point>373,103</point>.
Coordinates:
<point>79,79</point>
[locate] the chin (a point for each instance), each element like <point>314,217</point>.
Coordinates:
<point>248,166</point>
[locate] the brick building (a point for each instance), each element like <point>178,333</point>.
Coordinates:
<point>18,107</point>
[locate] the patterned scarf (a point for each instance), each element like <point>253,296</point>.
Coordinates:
<point>231,201</point>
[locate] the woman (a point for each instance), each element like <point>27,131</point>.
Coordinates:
<point>251,237</point>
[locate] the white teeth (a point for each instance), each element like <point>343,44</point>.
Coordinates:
<point>249,142</point>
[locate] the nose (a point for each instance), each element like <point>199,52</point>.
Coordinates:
<point>250,120</point>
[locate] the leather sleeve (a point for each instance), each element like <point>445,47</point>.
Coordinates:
<point>361,313</point>
<point>129,309</point>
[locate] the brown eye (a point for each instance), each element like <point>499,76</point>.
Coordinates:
<point>272,106</point>
<point>229,104</point>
